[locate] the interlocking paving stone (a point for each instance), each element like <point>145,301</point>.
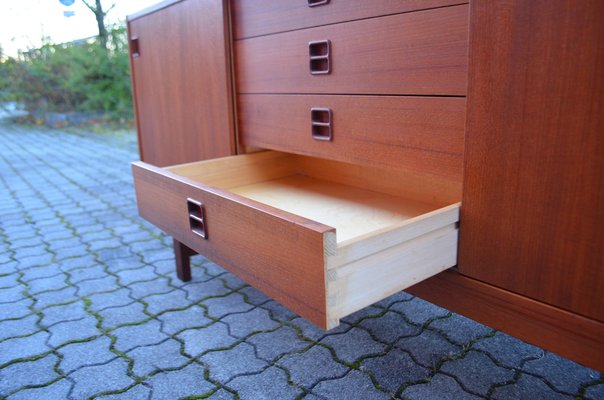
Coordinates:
<point>361,314</point>
<point>86,214</point>
<point>389,327</point>
<point>355,385</point>
<point>595,392</point>
<point>309,367</point>
<point>197,291</point>
<point>218,307</point>
<point>440,387</point>
<point>197,340</point>
<point>116,298</point>
<point>129,337</point>
<point>130,314</point>
<point>188,381</point>
<point>242,325</point>
<point>221,395</point>
<point>161,356</point>
<point>353,344</point>
<point>9,281</point>
<point>279,312</point>
<point>27,373</point>
<point>271,345</point>
<point>394,370</point>
<point>528,387</point>
<point>11,295</point>
<point>93,352</point>
<point>58,390</point>
<point>156,286</point>
<point>129,276</point>
<point>81,274</point>
<point>459,329</point>
<point>270,384</point>
<point>169,301</point>
<point>72,330</point>
<point>99,285</point>
<point>56,282</point>
<point>507,350</point>
<point>176,321</point>
<point>67,312</point>
<point>65,295</point>
<point>419,311</point>
<point>564,375</point>
<point>428,348</point>
<point>476,372</point>
<point>18,327</point>
<point>138,392</point>
<point>226,364</point>
<point>100,378</point>
<point>25,347</point>
<point>254,296</point>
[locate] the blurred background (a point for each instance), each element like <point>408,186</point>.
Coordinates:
<point>65,62</point>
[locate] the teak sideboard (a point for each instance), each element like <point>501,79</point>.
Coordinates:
<point>333,152</point>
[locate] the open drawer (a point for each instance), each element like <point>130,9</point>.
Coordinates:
<point>323,238</point>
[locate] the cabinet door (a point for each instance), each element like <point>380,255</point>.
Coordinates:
<point>182,82</point>
<point>533,204</point>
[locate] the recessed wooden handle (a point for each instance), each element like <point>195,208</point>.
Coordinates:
<point>134,48</point>
<point>319,53</point>
<point>197,218</point>
<point>321,124</point>
<point>315,3</point>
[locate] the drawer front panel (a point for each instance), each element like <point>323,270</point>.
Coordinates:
<point>422,52</point>
<point>419,134</point>
<point>261,17</point>
<point>278,253</point>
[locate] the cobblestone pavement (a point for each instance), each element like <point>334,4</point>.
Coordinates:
<point>90,308</point>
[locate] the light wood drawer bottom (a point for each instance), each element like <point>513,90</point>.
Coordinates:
<point>324,238</point>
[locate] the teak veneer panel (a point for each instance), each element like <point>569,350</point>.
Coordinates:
<point>418,134</point>
<point>261,17</point>
<point>534,162</point>
<point>424,52</point>
<point>182,82</point>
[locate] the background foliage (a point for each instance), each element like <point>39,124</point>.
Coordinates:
<point>76,77</point>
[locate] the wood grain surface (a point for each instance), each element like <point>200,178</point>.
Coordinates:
<point>278,253</point>
<point>533,200</point>
<point>182,83</point>
<point>261,17</point>
<point>419,134</point>
<point>570,335</point>
<point>423,52</point>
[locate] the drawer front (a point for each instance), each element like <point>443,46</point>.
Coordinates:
<point>422,52</point>
<point>278,253</point>
<point>419,134</point>
<point>261,17</point>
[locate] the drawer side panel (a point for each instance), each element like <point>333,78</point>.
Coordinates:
<point>281,256</point>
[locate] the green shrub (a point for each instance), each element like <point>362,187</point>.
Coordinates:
<point>74,77</point>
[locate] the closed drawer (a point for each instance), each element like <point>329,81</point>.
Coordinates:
<point>421,134</point>
<point>323,238</point>
<point>261,17</point>
<point>423,52</point>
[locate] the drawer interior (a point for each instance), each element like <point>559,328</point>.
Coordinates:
<point>392,229</point>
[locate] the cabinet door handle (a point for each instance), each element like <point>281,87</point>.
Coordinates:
<point>321,124</point>
<point>134,48</point>
<point>197,218</point>
<point>315,3</point>
<point>319,53</point>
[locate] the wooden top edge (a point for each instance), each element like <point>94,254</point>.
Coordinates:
<point>265,208</point>
<point>151,9</point>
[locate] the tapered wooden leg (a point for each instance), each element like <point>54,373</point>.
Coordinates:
<point>183,260</point>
